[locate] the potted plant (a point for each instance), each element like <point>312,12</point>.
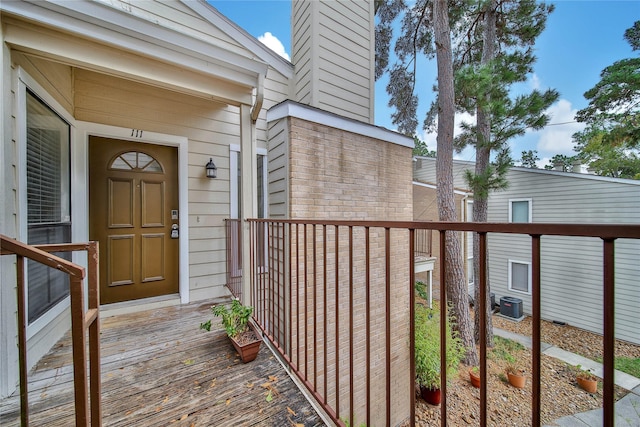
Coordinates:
<point>516,376</point>
<point>474,376</point>
<point>427,352</point>
<point>235,321</point>
<point>586,379</point>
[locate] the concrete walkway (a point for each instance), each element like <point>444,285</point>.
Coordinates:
<point>627,409</point>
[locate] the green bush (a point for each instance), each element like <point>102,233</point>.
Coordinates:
<point>427,348</point>
<point>234,320</point>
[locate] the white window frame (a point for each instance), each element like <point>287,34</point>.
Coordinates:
<point>530,202</point>
<point>234,158</point>
<point>24,81</point>
<point>233,180</point>
<point>510,278</point>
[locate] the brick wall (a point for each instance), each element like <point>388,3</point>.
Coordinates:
<point>334,174</point>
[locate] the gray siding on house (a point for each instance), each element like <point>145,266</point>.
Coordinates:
<point>424,170</point>
<point>571,268</point>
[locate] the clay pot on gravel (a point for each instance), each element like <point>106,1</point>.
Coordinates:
<point>474,377</point>
<point>516,377</point>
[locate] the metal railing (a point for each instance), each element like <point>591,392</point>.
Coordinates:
<point>315,303</point>
<point>233,237</point>
<point>87,389</point>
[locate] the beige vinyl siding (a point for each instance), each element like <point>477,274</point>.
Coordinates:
<point>278,176</point>
<point>56,79</point>
<point>302,51</point>
<point>332,53</point>
<point>8,227</point>
<point>180,18</point>
<point>210,128</point>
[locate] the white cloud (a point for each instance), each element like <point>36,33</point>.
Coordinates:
<point>274,44</point>
<point>556,137</point>
<point>534,81</point>
<point>430,138</point>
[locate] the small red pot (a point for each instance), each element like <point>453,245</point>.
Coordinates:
<point>430,395</point>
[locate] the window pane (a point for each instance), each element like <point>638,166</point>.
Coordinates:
<point>48,201</point>
<point>520,211</point>
<point>520,277</point>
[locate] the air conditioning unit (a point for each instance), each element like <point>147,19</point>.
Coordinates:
<point>511,307</point>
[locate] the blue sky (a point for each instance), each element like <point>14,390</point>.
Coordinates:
<point>581,38</point>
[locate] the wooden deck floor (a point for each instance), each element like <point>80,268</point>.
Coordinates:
<point>159,369</point>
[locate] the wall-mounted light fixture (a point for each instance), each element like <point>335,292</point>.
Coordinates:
<point>212,170</point>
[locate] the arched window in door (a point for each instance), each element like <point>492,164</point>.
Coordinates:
<point>135,161</point>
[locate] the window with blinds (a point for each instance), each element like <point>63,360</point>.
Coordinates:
<point>48,201</point>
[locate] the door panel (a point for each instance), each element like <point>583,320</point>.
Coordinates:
<point>153,257</point>
<point>132,189</point>
<point>153,203</point>
<point>120,251</point>
<point>120,201</point>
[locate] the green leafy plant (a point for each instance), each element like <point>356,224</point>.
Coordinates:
<point>427,347</point>
<point>504,349</point>
<point>235,320</point>
<point>421,290</point>
<point>585,374</point>
<point>514,369</point>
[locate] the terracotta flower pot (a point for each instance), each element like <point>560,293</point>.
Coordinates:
<point>518,381</point>
<point>475,378</point>
<point>590,386</point>
<point>247,349</point>
<point>430,395</point>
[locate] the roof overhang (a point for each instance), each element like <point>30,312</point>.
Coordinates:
<point>99,37</point>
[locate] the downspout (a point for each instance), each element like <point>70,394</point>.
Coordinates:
<point>257,104</point>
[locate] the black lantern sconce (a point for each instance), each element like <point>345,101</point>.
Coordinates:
<point>212,170</point>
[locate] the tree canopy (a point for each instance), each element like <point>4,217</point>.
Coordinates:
<point>611,138</point>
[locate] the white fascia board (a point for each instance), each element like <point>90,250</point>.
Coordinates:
<point>311,114</point>
<point>97,57</point>
<point>435,187</point>
<point>210,13</point>
<point>107,25</point>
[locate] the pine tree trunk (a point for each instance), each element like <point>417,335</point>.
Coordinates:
<point>483,154</point>
<point>455,281</point>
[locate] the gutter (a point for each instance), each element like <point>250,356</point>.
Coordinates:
<point>257,105</point>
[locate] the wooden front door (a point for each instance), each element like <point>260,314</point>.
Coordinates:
<point>133,205</point>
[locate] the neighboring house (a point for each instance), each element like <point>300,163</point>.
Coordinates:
<point>571,269</point>
<point>110,112</point>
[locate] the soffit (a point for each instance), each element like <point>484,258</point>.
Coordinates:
<point>96,36</point>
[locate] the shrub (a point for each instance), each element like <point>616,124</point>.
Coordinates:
<point>427,348</point>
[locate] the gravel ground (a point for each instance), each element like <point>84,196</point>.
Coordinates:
<point>509,406</point>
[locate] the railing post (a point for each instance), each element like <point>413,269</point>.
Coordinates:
<point>443,335</point>
<point>535,337</point>
<point>22,342</point>
<point>93,279</point>
<point>79,344</point>
<point>608,356</point>
<point>482,272</point>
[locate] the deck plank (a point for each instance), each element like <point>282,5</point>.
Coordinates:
<point>160,369</point>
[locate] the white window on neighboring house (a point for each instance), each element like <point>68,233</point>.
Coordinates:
<point>520,210</point>
<point>520,276</point>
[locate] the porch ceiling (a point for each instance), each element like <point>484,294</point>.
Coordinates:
<point>93,36</point>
